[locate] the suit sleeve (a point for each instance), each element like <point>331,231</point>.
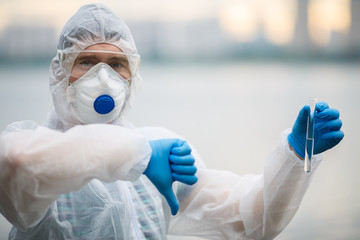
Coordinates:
<point>39,164</point>
<point>223,205</point>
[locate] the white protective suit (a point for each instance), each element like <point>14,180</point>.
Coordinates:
<point>65,180</point>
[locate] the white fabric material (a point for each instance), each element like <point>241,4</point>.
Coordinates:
<point>223,205</point>
<point>40,166</point>
<point>70,181</point>
<point>99,80</point>
<point>92,24</point>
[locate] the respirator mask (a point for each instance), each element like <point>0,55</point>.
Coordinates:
<point>99,85</point>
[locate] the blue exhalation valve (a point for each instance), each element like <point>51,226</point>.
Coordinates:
<point>104,104</point>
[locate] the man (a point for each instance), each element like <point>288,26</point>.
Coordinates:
<point>90,174</point>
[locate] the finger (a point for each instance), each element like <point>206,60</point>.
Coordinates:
<point>181,149</point>
<point>332,139</point>
<point>187,179</point>
<point>182,160</point>
<point>303,115</point>
<point>172,201</point>
<point>186,170</point>
<point>335,136</point>
<point>332,125</point>
<point>330,113</point>
<point>321,106</point>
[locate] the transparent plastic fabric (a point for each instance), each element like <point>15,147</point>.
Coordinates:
<point>117,210</point>
<point>222,205</point>
<point>92,24</point>
<point>125,64</point>
<point>50,163</point>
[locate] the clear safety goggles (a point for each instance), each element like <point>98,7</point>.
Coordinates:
<point>77,63</point>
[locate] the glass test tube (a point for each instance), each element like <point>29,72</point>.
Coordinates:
<point>309,143</point>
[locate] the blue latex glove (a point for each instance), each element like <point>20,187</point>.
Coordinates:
<point>327,129</point>
<point>171,160</point>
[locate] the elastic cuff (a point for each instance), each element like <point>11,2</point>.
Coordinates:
<point>137,170</point>
<point>300,151</point>
<point>316,159</point>
<point>291,148</point>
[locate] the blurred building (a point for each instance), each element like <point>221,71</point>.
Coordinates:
<point>204,38</point>
<point>180,39</point>
<point>354,34</point>
<point>27,42</point>
<point>301,43</point>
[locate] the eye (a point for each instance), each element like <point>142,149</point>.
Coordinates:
<point>86,64</point>
<point>116,65</point>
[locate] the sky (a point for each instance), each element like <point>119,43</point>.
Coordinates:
<point>241,19</point>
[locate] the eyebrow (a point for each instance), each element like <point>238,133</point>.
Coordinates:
<point>118,58</point>
<point>93,56</point>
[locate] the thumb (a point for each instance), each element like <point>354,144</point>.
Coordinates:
<point>172,200</point>
<point>303,115</point>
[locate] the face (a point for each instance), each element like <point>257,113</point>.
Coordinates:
<point>86,60</point>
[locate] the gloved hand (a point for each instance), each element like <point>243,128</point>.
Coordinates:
<point>171,160</point>
<point>327,129</point>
